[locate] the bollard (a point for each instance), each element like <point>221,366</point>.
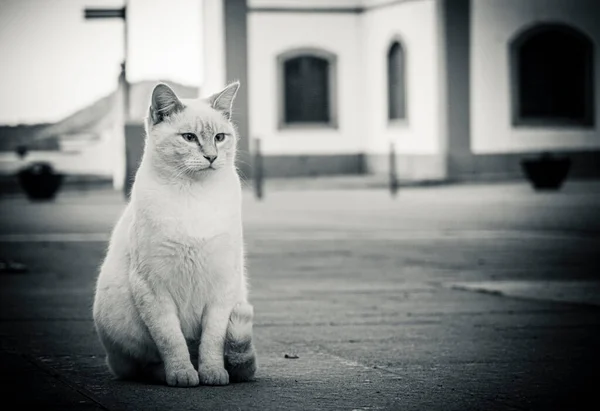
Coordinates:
<point>393,175</point>
<point>258,170</point>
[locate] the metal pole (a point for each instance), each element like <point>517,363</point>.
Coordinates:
<point>258,170</point>
<point>129,172</point>
<point>393,172</point>
<point>125,53</point>
<point>100,13</point>
<point>116,13</point>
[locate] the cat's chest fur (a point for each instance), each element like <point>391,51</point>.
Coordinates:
<point>190,243</point>
<point>189,219</point>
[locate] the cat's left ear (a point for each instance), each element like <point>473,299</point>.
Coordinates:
<point>164,102</point>
<point>223,100</point>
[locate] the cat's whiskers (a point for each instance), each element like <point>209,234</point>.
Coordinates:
<point>181,171</point>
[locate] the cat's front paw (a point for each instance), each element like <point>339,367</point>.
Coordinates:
<point>182,377</point>
<point>213,375</point>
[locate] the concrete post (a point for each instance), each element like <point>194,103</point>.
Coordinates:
<point>225,59</point>
<point>454,32</point>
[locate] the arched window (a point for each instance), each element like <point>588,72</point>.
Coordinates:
<point>396,66</point>
<point>552,76</point>
<point>307,88</point>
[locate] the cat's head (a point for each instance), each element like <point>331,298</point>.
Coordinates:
<point>191,137</point>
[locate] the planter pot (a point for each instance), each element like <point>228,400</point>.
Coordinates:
<point>546,172</point>
<point>39,181</point>
<point>21,151</point>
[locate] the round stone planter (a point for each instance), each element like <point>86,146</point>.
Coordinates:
<point>546,172</point>
<point>39,181</point>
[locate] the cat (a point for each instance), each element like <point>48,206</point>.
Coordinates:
<point>171,298</point>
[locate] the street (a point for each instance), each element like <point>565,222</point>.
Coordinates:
<point>459,297</point>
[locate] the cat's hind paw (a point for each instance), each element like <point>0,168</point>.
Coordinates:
<point>182,377</point>
<point>213,375</point>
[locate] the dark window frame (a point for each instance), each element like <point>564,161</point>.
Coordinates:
<point>402,87</point>
<point>516,43</point>
<point>331,60</point>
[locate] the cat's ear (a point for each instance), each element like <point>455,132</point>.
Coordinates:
<point>223,100</point>
<point>164,102</point>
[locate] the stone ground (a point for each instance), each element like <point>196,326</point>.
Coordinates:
<point>481,297</point>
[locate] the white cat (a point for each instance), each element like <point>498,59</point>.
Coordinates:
<point>172,291</point>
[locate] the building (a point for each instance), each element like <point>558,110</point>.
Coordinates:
<point>461,89</point>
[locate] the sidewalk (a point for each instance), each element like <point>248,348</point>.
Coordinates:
<point>78,182</point>
<point>443,298</point>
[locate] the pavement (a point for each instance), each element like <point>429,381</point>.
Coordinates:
<point>463,297</point>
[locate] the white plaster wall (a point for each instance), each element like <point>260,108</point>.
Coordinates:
<point>104,157</point>
<point>304,3</point>
<point>493,25</point>
<point>213,41</point>
<point>270,34</point>
<point>318,3</point>
<point>95,159</point>
<point>413,23</point>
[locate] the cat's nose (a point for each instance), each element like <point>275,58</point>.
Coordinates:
<point>210,158</point>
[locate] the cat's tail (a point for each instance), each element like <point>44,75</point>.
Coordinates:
<point>240,356</point>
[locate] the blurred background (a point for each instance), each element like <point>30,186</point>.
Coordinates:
<point>460,90</point>
<point>421,194</point>
<point>64,83</point>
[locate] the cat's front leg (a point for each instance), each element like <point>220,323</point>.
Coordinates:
<point>160,316</point>
<point>211,364</point>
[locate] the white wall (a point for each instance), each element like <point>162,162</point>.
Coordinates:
<point>95,158</point>
<point>493,24</point>
<point>413,23</point>
<point>101,157</point>
<point>213,47</point>
<point>304,3</point>
<point>270,34</point>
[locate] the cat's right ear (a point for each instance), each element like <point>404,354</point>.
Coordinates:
<point>164,102</point>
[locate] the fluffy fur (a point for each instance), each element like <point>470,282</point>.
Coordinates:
<point>171,301</point>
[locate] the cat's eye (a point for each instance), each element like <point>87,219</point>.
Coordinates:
<point>191,137</point>
<point>220,137</point>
